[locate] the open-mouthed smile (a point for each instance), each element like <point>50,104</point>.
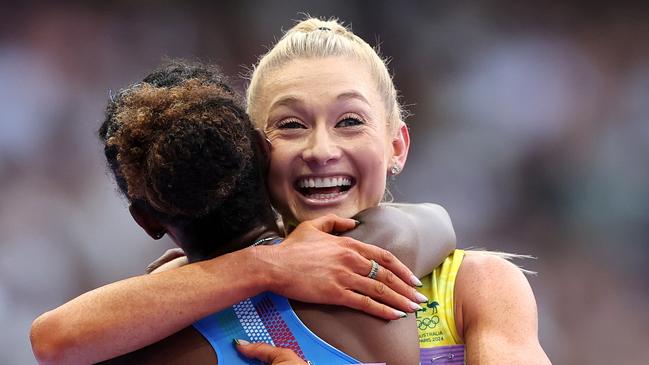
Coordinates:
<point>324,188</point>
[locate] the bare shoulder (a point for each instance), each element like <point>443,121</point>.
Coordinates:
<point>496,310</point>
<point>487,272</point>
<point>487,284</point>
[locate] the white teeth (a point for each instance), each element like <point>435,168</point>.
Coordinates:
<point>324,196</point>
<point>327,182</point>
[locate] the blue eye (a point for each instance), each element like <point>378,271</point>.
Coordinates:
<point>349,122</point>
<point>291,124</point>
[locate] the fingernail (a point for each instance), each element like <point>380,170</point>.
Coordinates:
<point>356,223</point>
<point>415,307</point>
<point>240,342</point>
<point>400,314</point>
<point>421,298</point>
<point>415,281</point>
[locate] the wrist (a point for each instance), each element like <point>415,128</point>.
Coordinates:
<point>263,262</point>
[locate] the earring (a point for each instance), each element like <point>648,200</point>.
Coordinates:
<point>158,235</point>
<point>395,169</point>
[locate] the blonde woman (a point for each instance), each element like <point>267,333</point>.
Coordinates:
<point>191,166</point>
<point>329,108</point>
<point>326,101</point>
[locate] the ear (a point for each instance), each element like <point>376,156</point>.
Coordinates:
<point>400,146</point>
<point>152,226</point>
<point>263,146</point>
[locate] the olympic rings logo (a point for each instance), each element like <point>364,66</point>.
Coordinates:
<point>426,323</point>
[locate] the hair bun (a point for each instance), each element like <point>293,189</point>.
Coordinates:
<point>314,24</point>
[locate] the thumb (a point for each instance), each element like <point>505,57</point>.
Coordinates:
<point>332,223</point>
<point>267,353</point>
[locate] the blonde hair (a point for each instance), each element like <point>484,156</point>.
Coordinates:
<point>317,38</point>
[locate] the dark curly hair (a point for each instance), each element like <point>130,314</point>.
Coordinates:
<point>180,144</point>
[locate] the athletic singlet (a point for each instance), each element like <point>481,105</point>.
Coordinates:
<point>439,341</point>
<point>267,318</point>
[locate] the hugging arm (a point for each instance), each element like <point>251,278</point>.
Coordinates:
<point>420,235</point>
<point>130,314</point>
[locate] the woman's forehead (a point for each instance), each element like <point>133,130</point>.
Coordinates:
<point>319,66</point>
<point>331,78</point>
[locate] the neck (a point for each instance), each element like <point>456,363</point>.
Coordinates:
<point>257,232</point>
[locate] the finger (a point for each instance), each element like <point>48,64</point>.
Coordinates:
<point>388,278</point>
<point>370,306</point>
<point>382,293</point>
<point>267,353</point>
<point>333,223</point>
<point>173,264</point>
<point>169,255</point>
<point>387,261</point>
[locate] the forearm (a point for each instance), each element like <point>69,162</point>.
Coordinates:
<point>136,312</point>
<point>132,313</point>
<point>434,236</point>
<point>420,235</point>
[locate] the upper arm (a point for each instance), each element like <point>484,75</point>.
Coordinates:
<point>434,234</point>
<point>498,314</point>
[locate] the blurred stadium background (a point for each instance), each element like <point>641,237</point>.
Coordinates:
<point>530,126</point>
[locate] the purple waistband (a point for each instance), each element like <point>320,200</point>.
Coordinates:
<point>453,354</point>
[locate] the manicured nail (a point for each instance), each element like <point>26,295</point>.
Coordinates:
<point>421,298</point>
<point>240,342</point>
<point>400,314</point>
<point>414,306</point>
<point>415,281</point>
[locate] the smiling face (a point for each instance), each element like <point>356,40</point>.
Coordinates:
<point>331,149</point>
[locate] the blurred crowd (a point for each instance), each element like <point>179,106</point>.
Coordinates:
<point>530,124</point>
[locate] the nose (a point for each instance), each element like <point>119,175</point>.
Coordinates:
<point>322,148</point>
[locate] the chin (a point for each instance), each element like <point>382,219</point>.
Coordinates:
<point>343,212</point>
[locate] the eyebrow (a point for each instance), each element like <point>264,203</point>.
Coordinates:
<point>292,100</point>
<point>353,95</point>
<point>289,100</point>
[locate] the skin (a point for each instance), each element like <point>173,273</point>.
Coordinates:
<point>269,354</point>
<point>496,312</point>
<point>332,124</point>
<point>307,107</point>
<point>122,318</point>
<point>489,336</point>
<point>494,305</point>
<point>118,318</point>
<point>325,117</point>
<point>361,336</point>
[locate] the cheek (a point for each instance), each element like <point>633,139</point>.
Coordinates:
<point>280,187</point>
<point>278,172</point>
<point>372,167</point>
